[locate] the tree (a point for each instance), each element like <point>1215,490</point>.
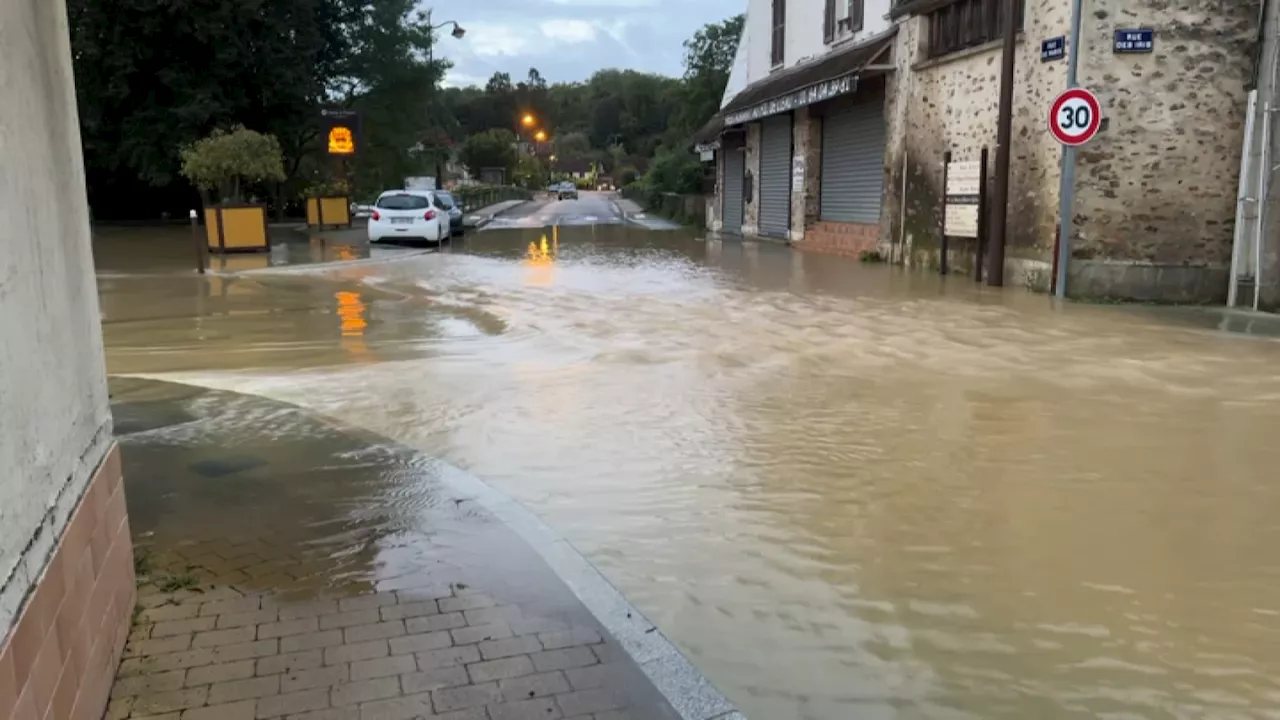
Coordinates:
<point>530,172</point>
<point>573,145</point>
<point>227,159</point>
<point>493,148</point>
<point>708,61</point>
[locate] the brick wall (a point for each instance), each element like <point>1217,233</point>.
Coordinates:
<point>59,661</point>
<point>835,238</point>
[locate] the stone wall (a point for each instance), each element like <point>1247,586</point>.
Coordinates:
<point>807,145</point>
<point>751,211</point>
<point>1156,188</point>
<point>950,104</point>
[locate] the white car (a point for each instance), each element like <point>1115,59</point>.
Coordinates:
<point>408,215</point>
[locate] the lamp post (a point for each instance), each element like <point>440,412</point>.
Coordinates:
<point>458,32</point>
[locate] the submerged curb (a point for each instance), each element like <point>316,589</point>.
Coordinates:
<point>685,688</point>
<point>688,691</point>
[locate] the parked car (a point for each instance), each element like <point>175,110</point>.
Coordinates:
<point>567,191</point>
<point>408,215</point>
<point>454,208</point>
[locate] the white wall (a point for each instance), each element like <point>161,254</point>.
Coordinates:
<point>804,39</point>
<point>54,422</point>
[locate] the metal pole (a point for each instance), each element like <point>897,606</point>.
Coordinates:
<point>1264,198</point>
<point>199,242</point>
<point>984,218</point>
<point>1004,137</point>
<point>942,256</point>
<point>1067,186</point>
<point>1242,198</point>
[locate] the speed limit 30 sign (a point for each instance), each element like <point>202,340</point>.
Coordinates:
<point>1075,117</point>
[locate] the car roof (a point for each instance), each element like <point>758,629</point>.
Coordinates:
<point>421,193</point>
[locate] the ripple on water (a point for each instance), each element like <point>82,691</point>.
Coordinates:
<point>845,491</point>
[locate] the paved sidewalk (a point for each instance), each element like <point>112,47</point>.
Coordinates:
<point>294,569</point>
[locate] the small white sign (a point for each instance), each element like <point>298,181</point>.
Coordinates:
<point>963,195</point>
<point>797,174</point>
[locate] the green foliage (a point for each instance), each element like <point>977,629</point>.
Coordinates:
<point>153,76</point>
<point>530,173</point>
<point>675,171</point>
<point>493,148</point>
<point>574,144</point>
<point>708,61</point>
<point>226,158</point>
<point>625,175</point>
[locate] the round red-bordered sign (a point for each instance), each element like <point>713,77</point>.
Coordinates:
<point>1075,116</point>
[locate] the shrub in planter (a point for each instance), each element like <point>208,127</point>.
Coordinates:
<point>328,204</point>
<point>221,166</point>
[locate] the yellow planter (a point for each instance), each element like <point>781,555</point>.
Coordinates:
<point>325,212</point>
<point>236,228</point>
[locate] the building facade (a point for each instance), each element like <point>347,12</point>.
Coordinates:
<point>66,561</point>
<point>1155,192</point>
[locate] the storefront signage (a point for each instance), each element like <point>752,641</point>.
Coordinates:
<point>963,198</point>
<point>1053,49</point>
<point>1138,40</point>
<point>800,98</point>
<point>797,173</point>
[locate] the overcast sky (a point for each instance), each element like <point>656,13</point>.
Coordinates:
<point>570,39</point>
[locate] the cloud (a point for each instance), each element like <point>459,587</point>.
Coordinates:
<point>571,31</point>
<point>569,40</point>
<point>490,40</point>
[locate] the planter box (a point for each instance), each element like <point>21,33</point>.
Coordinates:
<point>236,228</point>
<point>333,212</point>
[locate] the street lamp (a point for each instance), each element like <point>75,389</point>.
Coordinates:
<point>541,136</point>
<point>528,120</point>
<point>458,32</point>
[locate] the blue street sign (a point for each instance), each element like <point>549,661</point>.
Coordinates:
<point>1138,40</point>
<point>1053,49</point>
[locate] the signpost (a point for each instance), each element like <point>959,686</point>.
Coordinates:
<point>1053,49</point>
<point>1134,41</point>
<point>1074,118</point>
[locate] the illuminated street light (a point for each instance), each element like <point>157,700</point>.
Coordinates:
<point>528,120</point>
<point>541,136</point>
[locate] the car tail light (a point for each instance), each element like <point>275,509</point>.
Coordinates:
<point>431,215</point>
<point>376,216</point>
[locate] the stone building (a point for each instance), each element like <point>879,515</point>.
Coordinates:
<point>1155,192</point>
<point>66,561</point>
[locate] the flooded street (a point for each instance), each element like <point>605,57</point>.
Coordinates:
<point>843,490</point>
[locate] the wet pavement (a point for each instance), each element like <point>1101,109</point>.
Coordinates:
<point>293,567</point>
<point>843,490</point>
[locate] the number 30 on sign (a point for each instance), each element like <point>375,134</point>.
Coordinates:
<point>1075,116</point>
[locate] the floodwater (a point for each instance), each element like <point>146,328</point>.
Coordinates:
<point>843,490</point>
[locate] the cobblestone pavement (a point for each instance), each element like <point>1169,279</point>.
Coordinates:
<point>294,569</point>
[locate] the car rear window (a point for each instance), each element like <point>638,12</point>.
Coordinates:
<point>403,202</point>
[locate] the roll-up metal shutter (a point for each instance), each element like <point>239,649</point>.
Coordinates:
<point>852,163</point>
<point>734,164</point>
<point>775,176</point>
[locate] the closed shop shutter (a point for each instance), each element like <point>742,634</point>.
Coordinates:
<point>734,164</point>
<point>853,142</point>
<point>775,176</point>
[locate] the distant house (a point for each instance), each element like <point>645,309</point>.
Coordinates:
<point>576,168</point>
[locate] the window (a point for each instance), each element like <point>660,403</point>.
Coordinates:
<point>777,52</point>
<point>967,23</point>
<point>403,202</point>
<point>854,19</point>
<point>847,25</point>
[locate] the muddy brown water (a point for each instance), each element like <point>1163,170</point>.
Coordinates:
<point>845,491</point>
